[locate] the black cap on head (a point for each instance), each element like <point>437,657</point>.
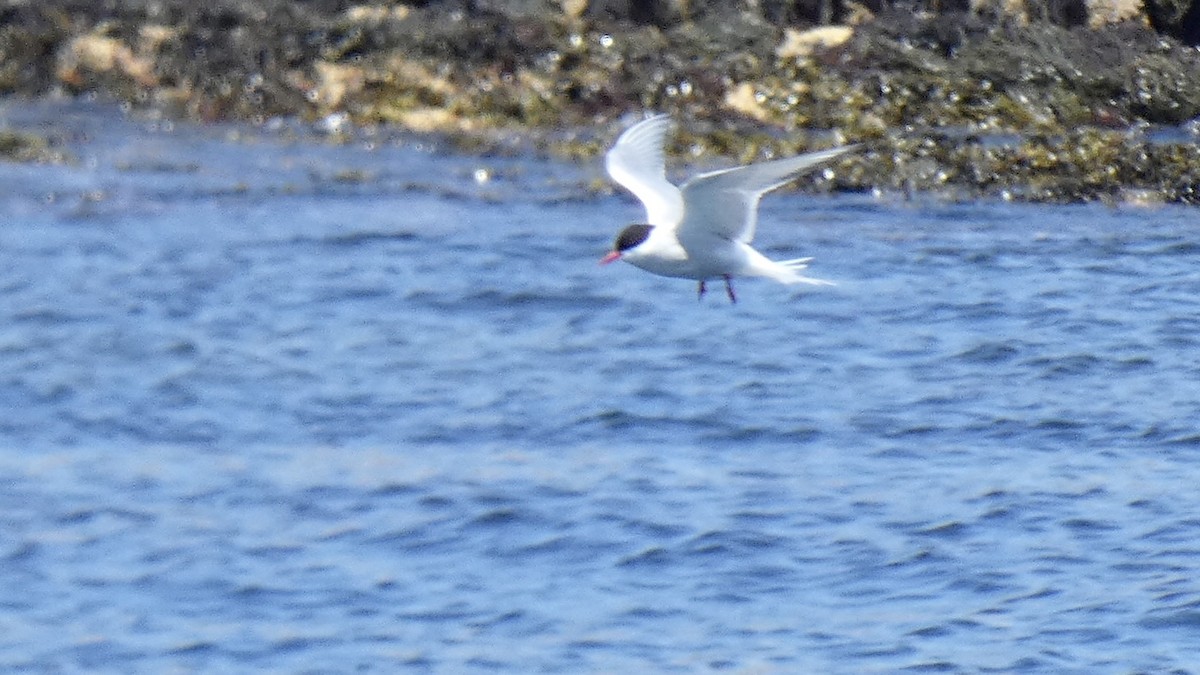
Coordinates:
<point>631,236</point>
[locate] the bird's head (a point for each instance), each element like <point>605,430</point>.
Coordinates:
<point>631,237</point>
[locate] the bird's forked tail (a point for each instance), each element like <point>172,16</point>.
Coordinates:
<point>788,272</point>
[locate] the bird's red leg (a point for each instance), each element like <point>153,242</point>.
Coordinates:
<point>729,288</point>
<point>700,295</point>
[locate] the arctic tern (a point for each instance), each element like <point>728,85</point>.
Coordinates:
<point>702,229</point>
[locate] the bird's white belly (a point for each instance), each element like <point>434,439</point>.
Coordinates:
<point>683,268</point>
<point>708,261</point>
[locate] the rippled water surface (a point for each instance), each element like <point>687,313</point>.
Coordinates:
<point>279,403</point>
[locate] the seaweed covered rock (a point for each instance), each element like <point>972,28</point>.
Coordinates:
<point>1178,18</point>
<point>949,95</point>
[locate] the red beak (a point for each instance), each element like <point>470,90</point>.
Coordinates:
<point>612,256</point>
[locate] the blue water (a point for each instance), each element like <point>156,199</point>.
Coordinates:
<point>279,403</point>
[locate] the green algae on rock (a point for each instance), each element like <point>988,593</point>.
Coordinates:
<point>19,146</point>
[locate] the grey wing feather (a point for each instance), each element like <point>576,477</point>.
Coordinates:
<point>725,202</point>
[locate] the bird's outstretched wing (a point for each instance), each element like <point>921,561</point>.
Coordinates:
<point>638,163</point>
<point>725,202</point>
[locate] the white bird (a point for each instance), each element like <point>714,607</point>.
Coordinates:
<point>701,230</point>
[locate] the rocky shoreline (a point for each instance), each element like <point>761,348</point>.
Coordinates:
<point>1072,102</point>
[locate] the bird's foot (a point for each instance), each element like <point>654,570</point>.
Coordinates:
<point>729,289</point>
<point>700,291</point>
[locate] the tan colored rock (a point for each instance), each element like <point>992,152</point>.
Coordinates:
<point>377,13</point>
<point>1100,12</point>
<point>153,36</point>
<point>573,9</point>
<point>744,98</point>
<point>411,73</point>
<point>429,119</point>
<point>1104,12</point>
<point>99,53</point>
<point>799,44</point>
<point>336,81</point>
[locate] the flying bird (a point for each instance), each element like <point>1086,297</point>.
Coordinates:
<point>702,229</point>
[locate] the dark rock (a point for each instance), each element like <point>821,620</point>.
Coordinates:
<point>803,12</point>
<point>1178,18</point>
<point>660,13</point>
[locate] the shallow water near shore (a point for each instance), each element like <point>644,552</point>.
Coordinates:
<point>277,403</point>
